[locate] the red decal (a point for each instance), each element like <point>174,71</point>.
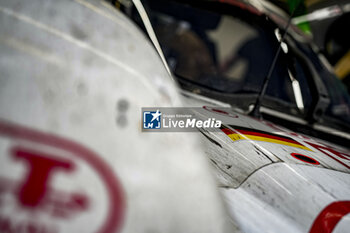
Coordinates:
<point>220,111</point>
<point>305,159</point>
<point>330,216</point>
<point>41,168</point>
<point>329,151</point>
<point>36,192</point>
<point>227,131</point>
<point>269,135</point>
<point>253,132</point>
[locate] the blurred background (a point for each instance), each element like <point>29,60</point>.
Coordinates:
<point>327,22</point>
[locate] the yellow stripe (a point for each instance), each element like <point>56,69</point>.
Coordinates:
<point>342,68</point>
<point>236,137</point>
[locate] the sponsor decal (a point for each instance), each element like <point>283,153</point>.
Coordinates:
<point>49,184</point>
<point>241,133</point>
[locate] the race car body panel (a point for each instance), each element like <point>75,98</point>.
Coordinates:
<point>74,77</point>
<point>272,178</point>
<point>290,198</point>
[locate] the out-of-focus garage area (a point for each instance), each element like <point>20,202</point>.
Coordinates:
<point>326,22</point>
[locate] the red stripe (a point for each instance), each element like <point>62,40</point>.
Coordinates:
<point>268,136</point>
<point>227,131</point>
<point>245,132</point>
<point>330,216</point>
<point>324,150</point>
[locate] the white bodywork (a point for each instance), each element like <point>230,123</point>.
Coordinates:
<point>74,76</point>
<point>265,187</point>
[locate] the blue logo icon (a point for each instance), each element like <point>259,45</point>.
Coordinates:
<point>151,120</point>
